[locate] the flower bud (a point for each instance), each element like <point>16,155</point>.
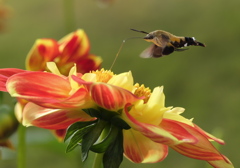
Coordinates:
<point>8,125</point>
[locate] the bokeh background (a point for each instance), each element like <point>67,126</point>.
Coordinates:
<point>205,81</point>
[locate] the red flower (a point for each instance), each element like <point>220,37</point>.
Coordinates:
<point>73,48</point>
<point>56,101</point>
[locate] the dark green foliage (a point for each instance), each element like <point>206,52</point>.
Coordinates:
<point>104,135</point>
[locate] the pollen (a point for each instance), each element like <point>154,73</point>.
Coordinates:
<point>103,75</point>
<point>141,90</point>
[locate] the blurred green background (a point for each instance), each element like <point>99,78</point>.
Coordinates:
<point>205,81</point>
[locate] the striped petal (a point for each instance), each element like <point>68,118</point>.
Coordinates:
<point>202,149</point>
<point>46,89</point>
<point>209,136</point>
<point>178,131</point>
<point>108,96</point>
<point>5,74</point>
<point>52,118</point>
<point>226,163</point>
<point>156,133</point>
<point>140,149</point>
<point>87,64</point>
<point>44,50</point>
<point>74,46</point>
<point>111,97</point>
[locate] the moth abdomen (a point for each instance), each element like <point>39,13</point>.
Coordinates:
<point>186,41</point>
<point>191,41</point>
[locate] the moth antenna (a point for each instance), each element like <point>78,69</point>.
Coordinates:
<point>139,31</point>
<point>120,48</point>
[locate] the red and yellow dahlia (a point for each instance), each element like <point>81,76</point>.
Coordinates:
<point>56,101</point>
<point>74,48</point>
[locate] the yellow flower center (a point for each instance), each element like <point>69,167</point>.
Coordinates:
<point>103,75</point>
<point>142,91</point>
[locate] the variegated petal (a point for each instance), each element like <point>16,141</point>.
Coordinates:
<point>52,118</point>
<point>140,149</point>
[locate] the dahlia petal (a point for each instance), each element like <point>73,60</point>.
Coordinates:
<point>154,106</point>
<point>53,68</point>
<point>79,99</point>
<point>209,136</point>
<point>178,130</point>
<point>38,84</point>
<point>157,98</point>
<point>214,158</point>
<point>18,111</point>
<point>108,96</point>
<point>5,74</point>
<point>69,48</point>
<point>202,150</point>
<point>155,133</point>
<point>111,97</point>
<point>140,149</point>
<point>88,79</point>
<point>60,134</point>
<point>52,118</point>
<point>123,80</point>
<point>221,163</point>
<point>75,44</point>
<point>45,89</point>
<point>177,110</point>
<point>44,50</point>
<point>173,114</point>
<point>89,63</point>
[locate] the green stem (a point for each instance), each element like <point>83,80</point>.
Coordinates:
<point>21,146</point>
<point>1,98</point>
<point>69,15</point>
<point>97,163</point>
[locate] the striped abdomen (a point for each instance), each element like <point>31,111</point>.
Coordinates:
<point>186,41</point>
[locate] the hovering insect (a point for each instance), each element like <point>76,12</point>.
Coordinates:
<point>165,43</point>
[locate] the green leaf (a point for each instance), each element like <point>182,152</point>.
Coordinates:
<point>93,112</point>
<point>75,127</point>
<point>108,115</point>
<point>91,137</point>
<point>77,137</point>
<point>119,122</point>
<point>113,157</point>
<point>101,113</point>
<point>104,144</point>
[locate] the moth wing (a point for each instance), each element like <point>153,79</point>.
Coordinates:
<point>147,53</point>
<point>152,51</point>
